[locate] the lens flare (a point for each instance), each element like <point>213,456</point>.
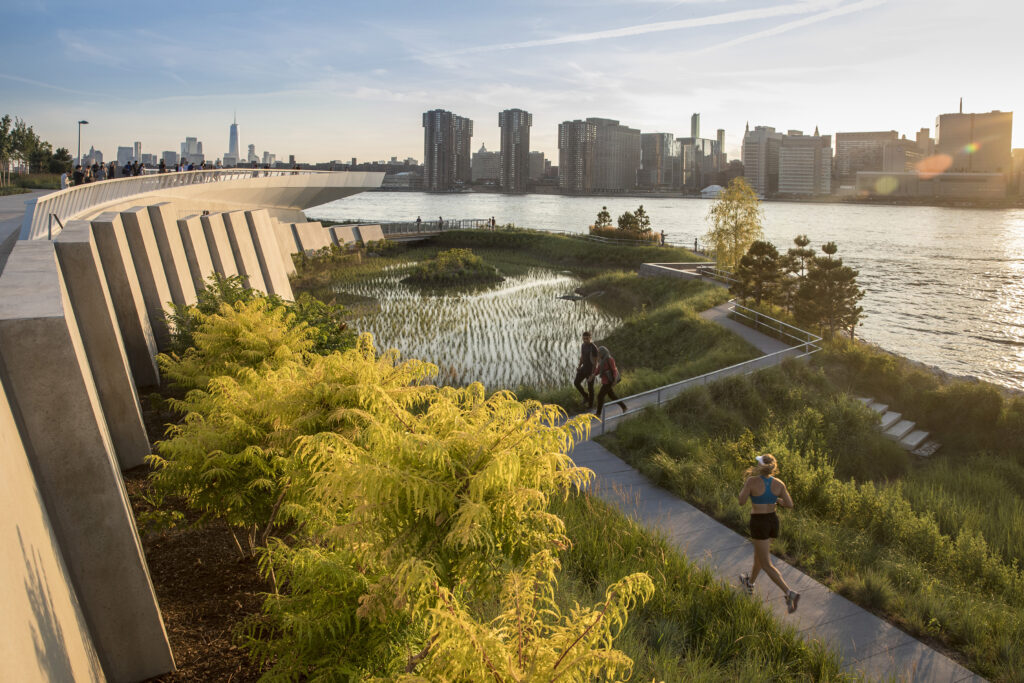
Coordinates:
<point>971,147</point>
<point>929,167</point>
<point>886,185</point>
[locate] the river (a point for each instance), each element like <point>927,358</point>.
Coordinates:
<point>944,286</point>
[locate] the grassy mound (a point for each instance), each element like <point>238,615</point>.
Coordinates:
<point>454,267</point>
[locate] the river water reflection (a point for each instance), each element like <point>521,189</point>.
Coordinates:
<point>944,286</point>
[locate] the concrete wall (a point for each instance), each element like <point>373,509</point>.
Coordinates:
<point>268,253</point>
<point>344,235</point>
<point>172,253</point>
<point>370,233</point>
<point>43,635</point>
<point>219,244</point>
<point>149,269</point>
<point>244,250</point>
<point>197,251</point>
<point>289,244</point>
<point>312,237</point>
<point>48,376</point>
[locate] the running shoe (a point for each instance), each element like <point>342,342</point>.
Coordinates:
<point>747,584</point>
<point>792,600</point>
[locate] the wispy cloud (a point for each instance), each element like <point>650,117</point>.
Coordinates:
<point>50,86</point>
<point>790,25</point>
<point>661,26</point>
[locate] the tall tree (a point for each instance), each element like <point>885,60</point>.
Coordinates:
<point>643,221</point>
<point>604,219</point>
<point>801,252</point>
<point>628,222</point>
<point>736,222</point>
<point>6,149</point>
<point>759,272</point>
<point>828,296</point>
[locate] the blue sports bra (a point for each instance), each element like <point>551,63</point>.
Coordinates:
<point>766,498</point>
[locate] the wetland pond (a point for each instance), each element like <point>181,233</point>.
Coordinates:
<point>515,333</point>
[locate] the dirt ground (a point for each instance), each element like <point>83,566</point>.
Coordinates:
<point>205,591</point>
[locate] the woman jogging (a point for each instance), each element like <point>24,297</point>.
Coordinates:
<point>765,492</point>
<point>609,375</point>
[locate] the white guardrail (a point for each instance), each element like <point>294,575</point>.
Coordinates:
<point>804,344</point>
<point>74,200</point>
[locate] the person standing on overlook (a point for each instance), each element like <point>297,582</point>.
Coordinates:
<point>585,370</point>
<point>78,177</point>
<point>764,492</point>
<point>609,374</point>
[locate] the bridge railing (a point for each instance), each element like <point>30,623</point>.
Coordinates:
<point>804,345</point>
<point>430,227</point>
<point>74,200</point>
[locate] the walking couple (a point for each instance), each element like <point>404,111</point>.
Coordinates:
<point>596,361</point>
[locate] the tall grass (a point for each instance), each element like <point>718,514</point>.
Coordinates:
<point>932,546</point>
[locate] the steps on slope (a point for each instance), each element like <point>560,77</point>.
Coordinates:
<point>900,430</point>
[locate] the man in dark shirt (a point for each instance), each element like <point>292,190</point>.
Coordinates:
<point>585,370</point>
<point>78,175</point>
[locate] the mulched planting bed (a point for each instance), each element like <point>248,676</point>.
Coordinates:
<point>205,590</point>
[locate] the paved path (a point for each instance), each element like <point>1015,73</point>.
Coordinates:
<point>12,211</point>
<point>865,642</point>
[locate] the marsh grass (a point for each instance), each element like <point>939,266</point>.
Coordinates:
<point>933,546</point>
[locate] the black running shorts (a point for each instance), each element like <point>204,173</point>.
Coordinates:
<point>764,526</point>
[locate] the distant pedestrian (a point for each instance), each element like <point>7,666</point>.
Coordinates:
<point>608,372</point>
<point>494,223</point>
<point>764,523</point>
<point>585,370</point>
<point>440,223</point>
<point>135,168</point>
<point>78,177</point>
<point>100,172</point>
<point>162,168</point>
<point>127,170</point>
<point>111,171</point>
<point>64,180</point>
<point>419,222</point>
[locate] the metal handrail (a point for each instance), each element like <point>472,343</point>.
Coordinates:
<point>806,347</point>
<point>759,319</point>
<point>74,200</point>
<point>716,273</point>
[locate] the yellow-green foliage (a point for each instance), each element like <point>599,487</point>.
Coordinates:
<point>453,267</point>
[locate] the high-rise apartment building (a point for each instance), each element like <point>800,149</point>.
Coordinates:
<point>695,125</point>
<point>723,161</point>
<point>805,164</point>
<point>901,156</point>
<point>251,155</point>
<point>700,160</point>
<point>977,143</point>
<point>536,165</point>
<point>515,149</point>
<point>576,141</point>
<point>137,151</point>
<point>93,157</point>
<point>861,152</point>
<point>124,155</point>
<point>486,165</point>
<point>446,150</point>
<point>170,159</point>
<point>616,156</point>
<point>192,150</point>
<point>269,159</point>
<point>659,161</point>
<point>761,159</point>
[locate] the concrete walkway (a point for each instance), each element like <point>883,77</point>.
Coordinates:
<point>866,643</point>
<point>12,212</point>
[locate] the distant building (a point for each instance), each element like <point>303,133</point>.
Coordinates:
<point>446,151</point>
<point>93,157</point>
<point>148,159</point>
<point>537,165</point>
<point>232,142</point>
<point>124,155</point>
<point>1017,181</point>
<point>170,159</point>
<point>515,149</point>
<point>902,155</point>
<point>857,152</point>
<point>761,159</point>
<point>699,163</point>
<point>192,150</point>
<point>230,161</point>
<point>712,192</point>
<point>251,155</point>
<point>486,165</point>
<point>291,159</point>
<point>269,159</point>
<point>977,143</point>
<point>695,125</point>
<point>723,161</point>
<point>576,141</point>
<point>616,156</point>
<point>805,164</point>
<point>659,161</point>
<point>137,151</point>
<point>949,185</point>
<point>925,143</point>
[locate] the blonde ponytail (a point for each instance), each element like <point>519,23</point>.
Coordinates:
<point>770,467</point>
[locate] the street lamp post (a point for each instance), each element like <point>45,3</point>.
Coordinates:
<point>80,141</point>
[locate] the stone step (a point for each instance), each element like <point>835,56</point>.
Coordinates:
<point>889,419</point>
<point>928,449</point>
<point>900,429</point>
<point>878,407</point>
<point>865,401</point>
<point>914,439</point>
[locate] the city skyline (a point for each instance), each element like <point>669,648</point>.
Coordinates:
<point>305,85</point>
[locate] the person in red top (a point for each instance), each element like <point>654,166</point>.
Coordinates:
<point>609,375</point>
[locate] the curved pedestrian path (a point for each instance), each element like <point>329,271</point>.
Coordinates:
<point>866,643</point>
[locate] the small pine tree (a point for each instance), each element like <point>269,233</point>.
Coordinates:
<point>604,219</point>
<point>801,252</point>
<point>643,221</point>
<point>828,295</point>
<point>759,272</point>
<point>628,222</point>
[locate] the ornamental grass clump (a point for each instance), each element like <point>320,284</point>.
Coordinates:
<point>453,267</point>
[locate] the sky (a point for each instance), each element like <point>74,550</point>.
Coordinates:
<point>336,80</point>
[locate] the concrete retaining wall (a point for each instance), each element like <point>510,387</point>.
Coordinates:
<point>48,377</point>
<point>244,250</point>
<point>172,253</point>
<point>288,243</point>
<point>219,244</point>
<point>197,251</point>
<point>344,235</point>
<point>312,237</point>
<point>149,269</point>
<point>370,233</point>
<point>269,255</point>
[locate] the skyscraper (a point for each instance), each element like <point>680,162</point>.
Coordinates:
<point>805,164</point>
<point>761,159</point>
<point>861,152</point>
<point>616,156</point>
<point>192,150</point>
<point>977,143</point>
<point>515,149</point>
<point>536,165</point>
<point>659,160</point>
<point>695,125</point>
<point>231,156</point>
<point>486,165</point>
<point>446,151</point>
<point>137,151</point>
<point>251,156</point>
<point>576,155</point>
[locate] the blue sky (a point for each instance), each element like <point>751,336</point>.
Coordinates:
<point>335,80</point>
